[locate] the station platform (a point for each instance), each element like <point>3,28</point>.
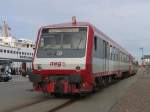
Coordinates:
<point>137,97</point>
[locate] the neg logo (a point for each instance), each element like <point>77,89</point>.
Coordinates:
<point>57,64</point>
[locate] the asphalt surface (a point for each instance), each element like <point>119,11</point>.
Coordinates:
<point>103,100</point>
<point>18,92</point>
<point>137,97</point>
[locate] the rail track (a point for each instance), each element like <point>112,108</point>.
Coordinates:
<point>24,105</point>
<point>52,104</point>
<point>54,109</point>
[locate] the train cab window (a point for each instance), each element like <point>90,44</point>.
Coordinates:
<point>70,41</point>
<point>95,43</point>
<point>4,51</point>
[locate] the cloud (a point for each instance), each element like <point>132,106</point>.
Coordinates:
<point>125,21</point>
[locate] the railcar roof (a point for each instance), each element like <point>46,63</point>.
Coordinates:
<point>69,25</point>
<point>110,40</point>
<point>87,24</point>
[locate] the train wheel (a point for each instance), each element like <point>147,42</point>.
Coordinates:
<point>104,82</point>
<point>58,95</point>
<point>95,89</point>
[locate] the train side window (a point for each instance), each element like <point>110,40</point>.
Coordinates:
<point>108,51</point>
<point>100,47</point>
<point>117,53</point>
<point>114,54</point>
<point>104,49</point>
<point>95,43</point>
<point>121,57</point>
<point>111,52</point>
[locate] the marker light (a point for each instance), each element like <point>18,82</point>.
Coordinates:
<point>78,68</point>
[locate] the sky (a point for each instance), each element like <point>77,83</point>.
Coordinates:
<point>125,21</point>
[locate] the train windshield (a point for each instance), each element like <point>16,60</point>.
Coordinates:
<point>63,42</point>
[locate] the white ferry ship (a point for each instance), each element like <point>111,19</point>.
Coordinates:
<point>18,52</point>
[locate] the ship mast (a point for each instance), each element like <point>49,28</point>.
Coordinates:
<point>5,30</point>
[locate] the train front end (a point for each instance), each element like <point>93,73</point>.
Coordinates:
<point>61,62</point>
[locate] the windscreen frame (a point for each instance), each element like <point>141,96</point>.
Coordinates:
<point>59,53</point>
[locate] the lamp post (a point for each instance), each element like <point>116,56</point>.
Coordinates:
<point>142,57</point>
<point>18,57</point>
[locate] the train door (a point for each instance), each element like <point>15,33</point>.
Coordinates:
<point>105,56</point>
<point>98,57</point>
<point>119,60</point>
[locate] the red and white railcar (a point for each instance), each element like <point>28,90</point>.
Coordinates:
<point>75,57</point>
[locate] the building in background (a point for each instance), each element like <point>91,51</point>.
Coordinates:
<point>19,51</point>
<point>146,60</point>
